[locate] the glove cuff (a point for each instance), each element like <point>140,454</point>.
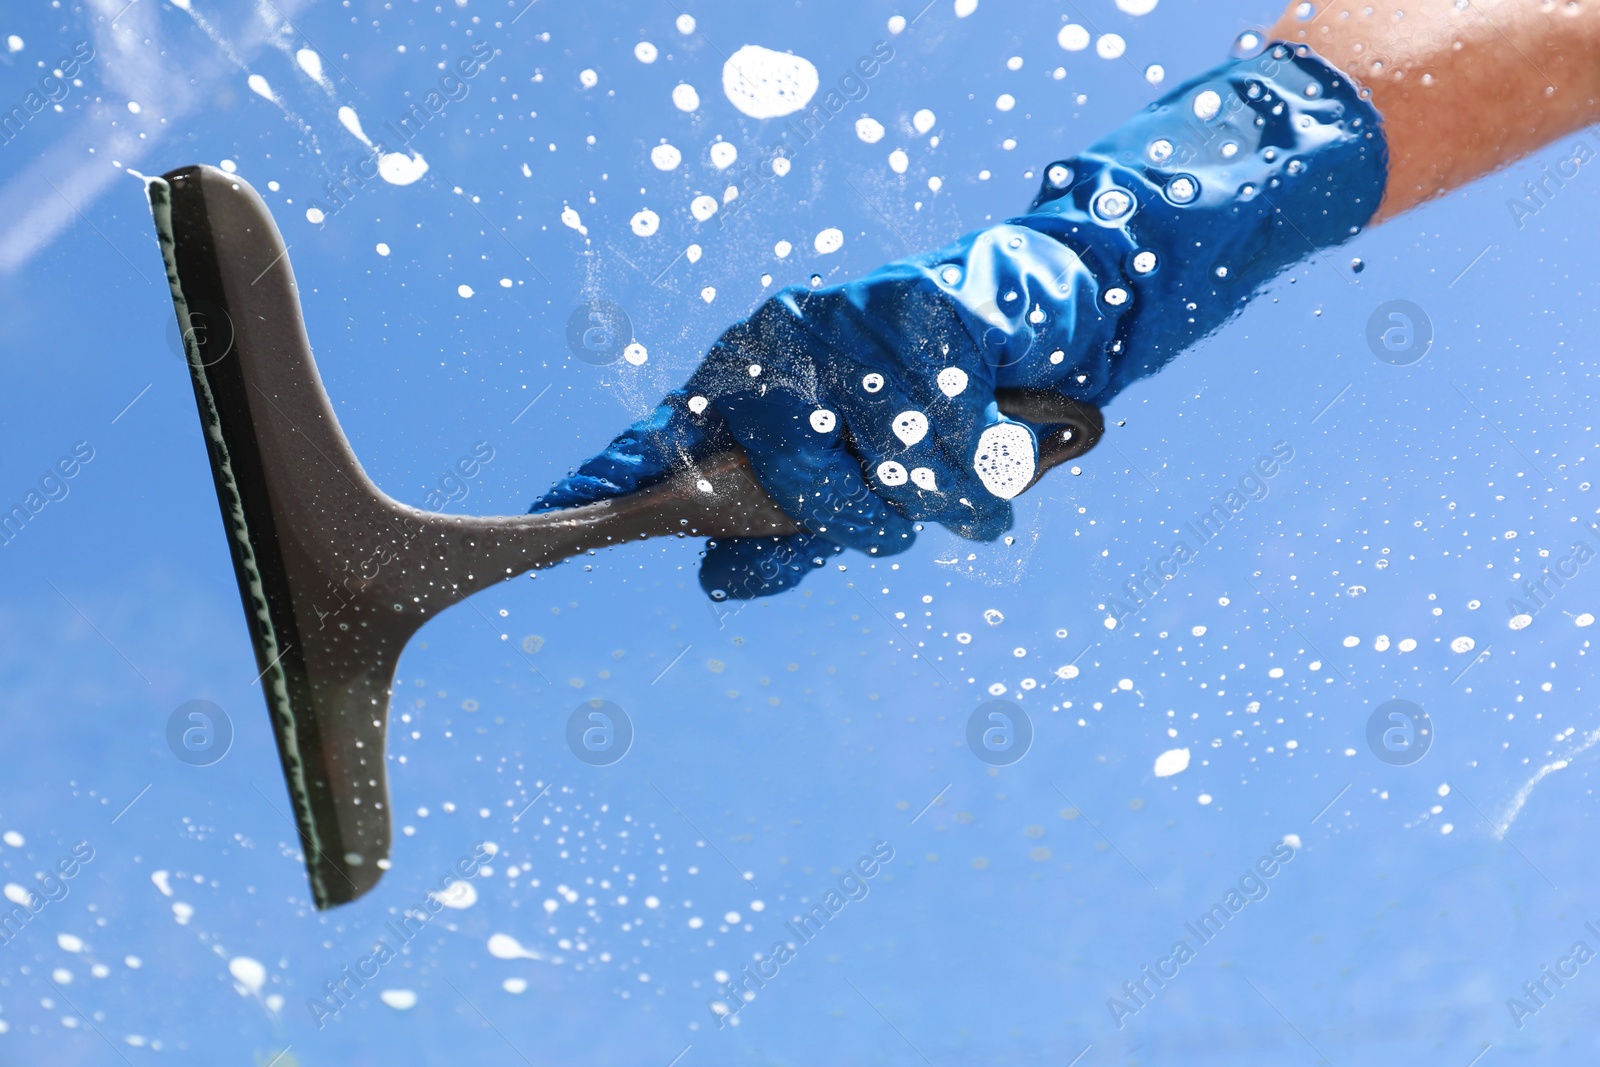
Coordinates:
<point>1185,211</point>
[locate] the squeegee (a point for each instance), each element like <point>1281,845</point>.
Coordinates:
<point>335,575</point>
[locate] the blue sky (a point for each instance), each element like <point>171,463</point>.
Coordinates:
<point>775,747</point>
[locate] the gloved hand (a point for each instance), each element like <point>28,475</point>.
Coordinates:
<point>869,406</point>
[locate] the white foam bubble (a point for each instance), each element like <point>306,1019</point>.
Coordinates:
<point>645,223</point>
<point>766,84</point>
<point>923,120</point>
<point>399,999</point>
<point>1005,459</point>
<point>458,895</point>
<point>910,427</point>
<point>400,168</point>
<point>703,207</point>
<point>645,52</point>
<point>723,154</point>
<point>665,157</point>
<point>309,62</point>
<point>1073,38</point>
<point>685,97</point>
<point>261,87</point>
<point>506,947</point>
<point>249,973</point>
<point>1172,761</point>
<point>869,129</point>
<point>828,240</point>
<point>952,381</point>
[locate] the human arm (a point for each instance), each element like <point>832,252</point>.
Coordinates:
<point>1134,249</point>
<point>1463,88</point>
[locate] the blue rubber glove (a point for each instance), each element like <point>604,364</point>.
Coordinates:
<point>869,406</point>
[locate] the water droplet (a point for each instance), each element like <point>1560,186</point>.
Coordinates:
<point>1113,204</point>
<point>1183,189</point>
<point>910,427</point>
<point>952,381</point>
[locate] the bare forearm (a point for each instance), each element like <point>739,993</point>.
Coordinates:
<point>1463,89</point>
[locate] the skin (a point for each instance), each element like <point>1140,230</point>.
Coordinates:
<point>1462,91</point>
